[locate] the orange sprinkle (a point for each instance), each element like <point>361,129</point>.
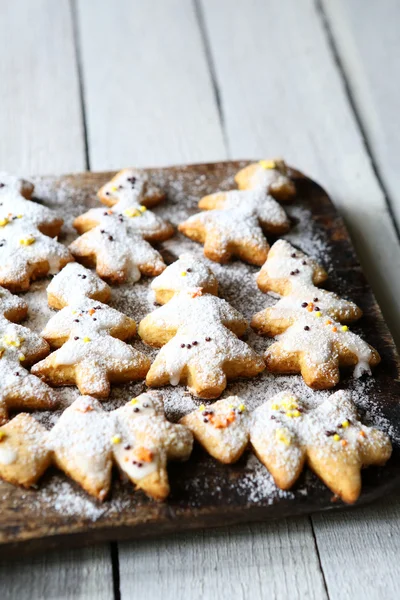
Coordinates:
<point>344,442</point>
<point>92,311</point>
<point>222,421</point>
<point>197,292</point>
<point>310,307</point>
<point>334,329</point>
<point>144,454</point>
<point>109,212</point>
<point>328,322</point>
<point>363,434</point>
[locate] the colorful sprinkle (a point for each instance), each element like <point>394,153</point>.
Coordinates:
<point>283,435</point>
<point>344,328</point>
<point>116,439</point>
<point>27,241</point>
<point>86,339</point>
<point>267,164</point>
<point>336,437</point>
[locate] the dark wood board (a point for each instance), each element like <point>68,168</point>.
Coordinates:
<point>205,493</point>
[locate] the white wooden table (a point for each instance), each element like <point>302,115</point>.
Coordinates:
<point>110,83</point>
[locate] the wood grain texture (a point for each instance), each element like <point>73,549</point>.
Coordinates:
<point>83,574</point>
<point>282,94</point>
<point>360,551</point>
<point>41,131</point>
<point>367,39</point>
<point>148,94</point>
<point>274,560</point>
<point>40,118</point>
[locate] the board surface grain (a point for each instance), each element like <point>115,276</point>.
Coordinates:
<point>28,523</point>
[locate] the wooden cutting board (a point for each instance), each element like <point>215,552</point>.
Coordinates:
<point>205,493</point>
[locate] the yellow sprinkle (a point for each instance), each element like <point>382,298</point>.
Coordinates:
<point>296,413</point>
<point>242,407</point>
<point>275,407</point>
<point>202,407</point>
<point>19,216</point>
<point>2,435</point>
<point>142,209</point>
<point>3,222</point>
<point>114,188</point>
<point>345,328</point>
<point>22,357</point>
<point>133,401</point>
<point>318,313</point>
<point>268,164</point>
<point>116,439</point>
<point>345,424</point>
<point>74,312</point>
<point>86,339</point>
<point>27,241</point>
<point>231,406</point>
<point>336,437</point>
<point>183,273</point>
<point>132,212</point>
<point>282,435</point>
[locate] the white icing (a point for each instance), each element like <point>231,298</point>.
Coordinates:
<point>74,281</point>
<point>7,455</point>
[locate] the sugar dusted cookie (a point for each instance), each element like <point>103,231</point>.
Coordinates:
<point>272,176</point>
<point>24,456</point>
<point>86,442</point>
<point>185,309</point>
<point>14,206</point>
<point>234,223</point>
<point>92,361</point>
<point>26,254</point>
<point>75,281</point>
<point>290,272</point>
<point>90,316</point>
<point>133,182</point>
<point>316,346</point>
<point>286,434</point>
<point>186,273</point>
<point>117,254</point>
<point>14,185</point>
<point>20,348</point>
<point>221,428</point>
<point>146,441</point>
<point>116,240</point>
<point>203,356</point>
<point>308,322</point>
<point>288,268</point>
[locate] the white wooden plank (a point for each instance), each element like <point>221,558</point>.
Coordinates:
<point>41,131</point>
<point>368,42</point>
<point>164,111</point>
<point>360,551</point>
<point>147,86</point>
<point>83,574</point>
<point>282,94</point>
<point>256,561</point>
<point>40,120</point>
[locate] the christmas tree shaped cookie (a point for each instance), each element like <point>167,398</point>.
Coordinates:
<point>234,224</point>
<point>116,239</point>
<point>20,348</point>
<point>286,434</point>
<point>185,273</point>
<point>27,229</point>
<point>308,321</point>
<point>272,176</point>
<point>88,335</point>
<point>221,428</point>
<point>86,441</point>
<point>198,334</point>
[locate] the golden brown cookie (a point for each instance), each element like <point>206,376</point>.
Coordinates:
<point>272,176</point>
<point>234,225</point>
<point>286,433</point>
<point>188,272</point>
<point>221,428</point>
